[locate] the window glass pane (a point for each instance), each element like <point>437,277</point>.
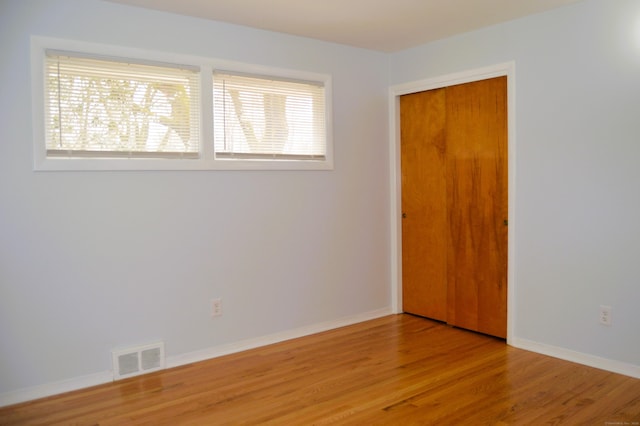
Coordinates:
<point>111,108</point>
<point>259,117</point>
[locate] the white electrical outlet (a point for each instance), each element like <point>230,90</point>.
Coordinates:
<point>216,307</point>
<point>605,315</point>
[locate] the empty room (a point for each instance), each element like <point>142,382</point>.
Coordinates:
<point>319,212</point>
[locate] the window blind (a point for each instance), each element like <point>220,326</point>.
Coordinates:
<point>103,107</point>
<point>267,118</point>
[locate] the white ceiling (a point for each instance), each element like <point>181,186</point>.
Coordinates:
<point>383,25</point>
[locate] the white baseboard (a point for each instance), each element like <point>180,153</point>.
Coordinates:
<point>48,389</point>
<point>243,345</point>
<point>578,357</point>
<point>41,391</point>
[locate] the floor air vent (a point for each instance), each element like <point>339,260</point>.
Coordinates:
<point>138,360</point>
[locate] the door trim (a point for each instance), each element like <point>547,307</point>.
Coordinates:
<point>504,69</point>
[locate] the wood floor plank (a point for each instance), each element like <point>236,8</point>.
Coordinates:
<point>399,369</point>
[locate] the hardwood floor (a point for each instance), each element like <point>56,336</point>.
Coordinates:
<point>396,370</point>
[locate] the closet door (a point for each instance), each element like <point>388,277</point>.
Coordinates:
<point>477,206</point>
<point>424,204</point>
<point>454,201</point>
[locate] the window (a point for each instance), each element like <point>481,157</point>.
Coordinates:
<point>262,117</point>
<point>100,107</point>
<point>108,108</point>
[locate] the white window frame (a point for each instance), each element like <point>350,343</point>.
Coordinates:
<point>206,159</point>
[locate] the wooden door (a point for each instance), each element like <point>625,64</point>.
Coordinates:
<point>454,197</point>
<point>423,153</point>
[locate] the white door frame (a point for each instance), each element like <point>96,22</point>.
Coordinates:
<point>504,69</point>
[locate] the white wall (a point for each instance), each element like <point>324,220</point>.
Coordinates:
<point>90,261</point>
<point>577,206</point>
